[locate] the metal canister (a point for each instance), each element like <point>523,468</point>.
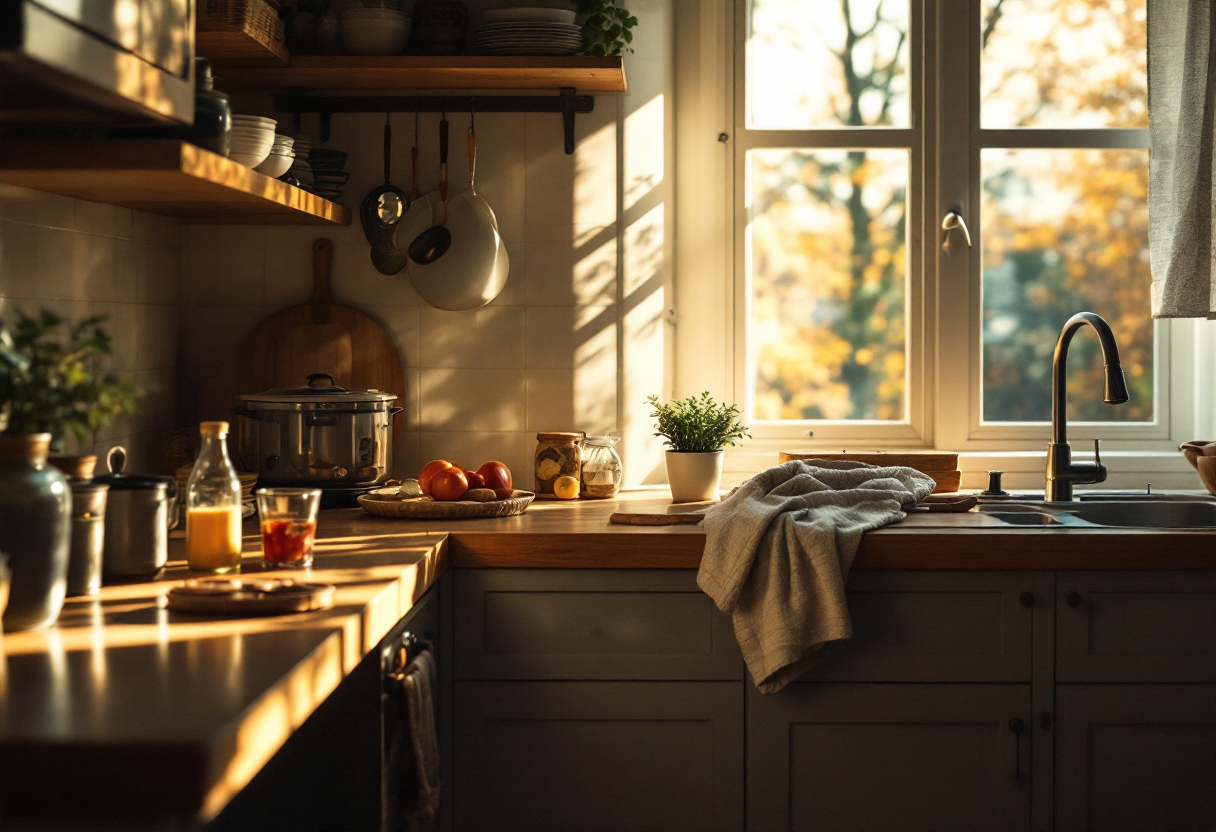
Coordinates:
<point>88,537</point>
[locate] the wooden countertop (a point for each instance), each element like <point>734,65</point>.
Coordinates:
<point>187,709</point>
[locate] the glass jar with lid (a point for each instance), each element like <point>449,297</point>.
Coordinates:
<point>557,455</point>
<point>602,473</point>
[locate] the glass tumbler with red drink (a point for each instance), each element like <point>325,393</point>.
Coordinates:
<point>289,526</point>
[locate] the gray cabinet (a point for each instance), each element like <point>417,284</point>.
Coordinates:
<point>590,624</point>
<point>1136,757</point>
<point>610,756</point>
<point>832,757</point>
<point>1136,627</point>
<point>935,627</point>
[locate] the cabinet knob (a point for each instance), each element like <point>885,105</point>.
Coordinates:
<point>1026,599</point>
<point>1073,599</point>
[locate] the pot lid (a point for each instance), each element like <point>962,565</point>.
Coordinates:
<point>119,480</point>
<point>321,387</point>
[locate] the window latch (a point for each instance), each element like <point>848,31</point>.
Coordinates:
<point>951,221</point>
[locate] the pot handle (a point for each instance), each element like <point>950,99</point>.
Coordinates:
<point>312,378</point>
<point>393,412</point>
<point>173,516</point>
<point>244,411</point>
<point>116,459</point>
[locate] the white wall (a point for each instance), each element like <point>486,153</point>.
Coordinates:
<point>79,259</point>
<point>576,341</point>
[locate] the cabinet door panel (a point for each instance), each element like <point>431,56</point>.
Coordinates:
<point>934,627</point>
<point>1136,757</point>
<point>1136,627</point>
<point>830,757</point>
<point>599,756</point>
<point>590,624</point>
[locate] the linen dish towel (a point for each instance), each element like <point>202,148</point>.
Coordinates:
<point>414,753</point>
<point>778,551</point>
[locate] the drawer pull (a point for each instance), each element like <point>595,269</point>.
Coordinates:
<point>1017,726</point>
<point>1026,599</point>
<point>1073,599</point>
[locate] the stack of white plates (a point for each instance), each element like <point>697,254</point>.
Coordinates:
<point>300,170</point>
<point>252,138</point>
<point>528,31</point>
<point>280,159</point>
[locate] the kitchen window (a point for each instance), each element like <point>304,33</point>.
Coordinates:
<point>857,127</point>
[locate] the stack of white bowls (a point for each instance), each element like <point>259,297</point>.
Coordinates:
<point>374,31</point>
<point>280,159</point>
<point>252,139</point>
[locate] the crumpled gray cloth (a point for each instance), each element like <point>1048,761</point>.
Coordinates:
<point>778,551</point>
<point>1181,124</point>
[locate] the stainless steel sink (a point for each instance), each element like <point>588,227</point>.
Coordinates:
<point>1169,512</point>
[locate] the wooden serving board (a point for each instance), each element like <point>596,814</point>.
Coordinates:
<point>250,596</point>
<point>940,465</point>
<point>424,508</point>
<point>625,518</point>
<point>924,461</point>
<point>320,337</point>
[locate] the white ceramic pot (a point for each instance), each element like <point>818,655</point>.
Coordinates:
<point>694,476</point>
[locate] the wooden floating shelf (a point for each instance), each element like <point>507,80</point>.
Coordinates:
<point>413,72</point>
<point>167,177</point>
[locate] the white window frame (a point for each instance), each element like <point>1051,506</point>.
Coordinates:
<point>711,292</point>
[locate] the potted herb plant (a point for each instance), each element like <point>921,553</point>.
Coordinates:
<point>697,429</point>
<point>607,28</point>
<point>49,387</point>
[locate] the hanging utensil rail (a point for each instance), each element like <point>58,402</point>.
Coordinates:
<point>567,103</point>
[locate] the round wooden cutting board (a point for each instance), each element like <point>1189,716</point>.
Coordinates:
<point>320,337</point>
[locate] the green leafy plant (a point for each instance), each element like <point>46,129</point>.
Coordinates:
<point>607,28</point>
<point>697,424</point>
<point>49,383</point>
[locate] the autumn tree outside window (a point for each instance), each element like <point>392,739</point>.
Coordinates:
<point>852,119</point>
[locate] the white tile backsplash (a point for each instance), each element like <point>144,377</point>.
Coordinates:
<point>79,259</point>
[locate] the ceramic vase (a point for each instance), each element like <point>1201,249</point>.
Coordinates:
<point>35,531</point>
<point>694,476</point>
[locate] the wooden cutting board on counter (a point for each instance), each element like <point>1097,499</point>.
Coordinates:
<point>320,337</point>
<point>940,465</point>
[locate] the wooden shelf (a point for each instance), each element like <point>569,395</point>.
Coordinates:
<point>413,72</point>
<point>167,177</point>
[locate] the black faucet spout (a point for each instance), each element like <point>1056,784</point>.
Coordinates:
<point>1062,472</point>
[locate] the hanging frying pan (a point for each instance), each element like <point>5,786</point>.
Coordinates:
<point>380,213</point>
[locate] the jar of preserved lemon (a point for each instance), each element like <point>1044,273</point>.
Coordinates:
<point>557,455</point>
<point>602,472</point>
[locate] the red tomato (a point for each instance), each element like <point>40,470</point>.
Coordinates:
<point>449,484</point>
<point>429,471</point>
<point>475,479</point>
<point>497,478</point>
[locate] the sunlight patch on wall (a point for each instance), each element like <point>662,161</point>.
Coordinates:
<point>643,150</point>
<point>595,177</point>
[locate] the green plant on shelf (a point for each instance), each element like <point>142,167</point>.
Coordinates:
<point>50,381</point>
<point>607,28</point>
<point>697,424</point>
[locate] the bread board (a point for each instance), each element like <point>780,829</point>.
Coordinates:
<point>250,596</point>
<point>424,508</point>
<point>940,465</point>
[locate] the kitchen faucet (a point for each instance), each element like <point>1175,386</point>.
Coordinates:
<point>1062,472</point>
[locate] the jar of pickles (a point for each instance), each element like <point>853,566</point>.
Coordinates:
<point>602,473</point>
<point>557,455</point>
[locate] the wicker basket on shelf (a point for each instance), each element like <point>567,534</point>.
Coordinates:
<point>244,30</point>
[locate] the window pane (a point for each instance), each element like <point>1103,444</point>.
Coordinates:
<point>803,73</point>
<point>1064,63</point>
<point>1064,231</point>
<point>828,270</point>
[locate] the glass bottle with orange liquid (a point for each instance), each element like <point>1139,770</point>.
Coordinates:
<point>213,506</point>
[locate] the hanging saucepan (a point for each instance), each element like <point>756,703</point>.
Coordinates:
<point>381,211</point>
<point>474,269</point>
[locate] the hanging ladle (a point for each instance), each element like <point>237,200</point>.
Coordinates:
<point>431,244</point>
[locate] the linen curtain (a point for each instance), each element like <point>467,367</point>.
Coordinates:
<point>1181,112</point>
